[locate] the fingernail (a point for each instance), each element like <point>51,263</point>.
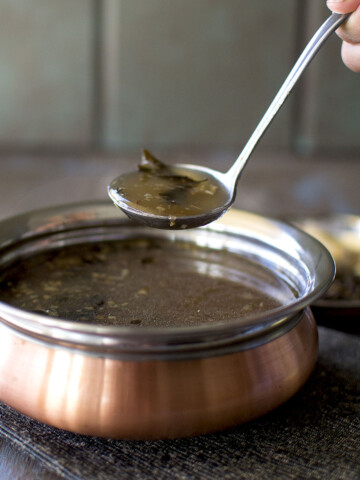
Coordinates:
<point>336,1</point>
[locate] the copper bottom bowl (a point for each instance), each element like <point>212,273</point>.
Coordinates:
<point>150,383</point>
<point>340,233</point>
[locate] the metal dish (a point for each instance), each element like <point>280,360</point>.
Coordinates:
<point>340,233</point>
<point>146,383</point>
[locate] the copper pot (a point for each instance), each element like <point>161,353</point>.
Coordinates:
<point>150,383</point>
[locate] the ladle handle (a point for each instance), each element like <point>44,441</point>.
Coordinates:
<point>320,37</point>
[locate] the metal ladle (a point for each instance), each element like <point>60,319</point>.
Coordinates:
<point>228,181</point>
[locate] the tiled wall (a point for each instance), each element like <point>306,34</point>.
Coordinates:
<point>46,72</point>
<point>119,74</point>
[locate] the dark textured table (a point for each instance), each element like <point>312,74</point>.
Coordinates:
<point>315,435</point>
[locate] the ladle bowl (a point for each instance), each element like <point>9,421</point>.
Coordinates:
<point>227,182</point>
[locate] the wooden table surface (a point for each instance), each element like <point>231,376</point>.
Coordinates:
<point>272,184</point>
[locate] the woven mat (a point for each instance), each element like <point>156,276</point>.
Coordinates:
<point>315,435</point>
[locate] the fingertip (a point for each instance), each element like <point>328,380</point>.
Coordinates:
<point>343,6</point>
<point>350,55</point>
<point>350,30</point>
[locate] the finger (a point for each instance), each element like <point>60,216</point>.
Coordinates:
<point>351,56</point>
<point>350,30</point>
<point>343,6</point>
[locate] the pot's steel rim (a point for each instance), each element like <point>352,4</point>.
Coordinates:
<point>73,217</point>
<point>127,351</point>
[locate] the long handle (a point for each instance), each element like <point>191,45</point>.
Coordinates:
<point>320,37</point>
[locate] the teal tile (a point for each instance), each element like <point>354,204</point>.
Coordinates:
<point>46,77</point>
<point>202,73</point>
<point>328,104</point>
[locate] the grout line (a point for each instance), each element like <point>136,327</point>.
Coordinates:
<point>299,35</point>
<point>110,73</point>
<point>97,77</point>
<point>304,129</point>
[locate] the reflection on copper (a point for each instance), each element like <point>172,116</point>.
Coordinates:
<point>153,399</point>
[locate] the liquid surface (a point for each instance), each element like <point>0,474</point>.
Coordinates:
<point>142,282</point>
<point>166,191</point>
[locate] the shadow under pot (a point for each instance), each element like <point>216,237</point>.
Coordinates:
<point>113,329</point>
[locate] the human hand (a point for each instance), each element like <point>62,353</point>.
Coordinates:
<point>349,32</point>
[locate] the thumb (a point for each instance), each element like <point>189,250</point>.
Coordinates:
<point>343,6</point>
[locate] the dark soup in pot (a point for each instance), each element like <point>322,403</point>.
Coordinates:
<point>149,282</point>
